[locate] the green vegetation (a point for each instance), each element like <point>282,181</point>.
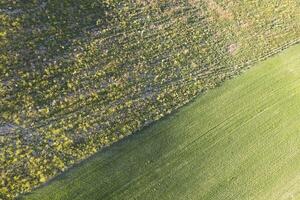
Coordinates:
<point>76,76</point>
<point>239,141</point>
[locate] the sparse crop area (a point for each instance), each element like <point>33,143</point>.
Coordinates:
<point>76,76</point>
<point>239,141</point>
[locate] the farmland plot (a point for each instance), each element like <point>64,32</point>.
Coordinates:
<point>239,141</point>
<point>76,76</point>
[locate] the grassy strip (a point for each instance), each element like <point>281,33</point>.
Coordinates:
<point>239,141</point>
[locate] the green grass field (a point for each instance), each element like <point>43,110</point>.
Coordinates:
<point>77,76</point>
<point>239,141</point>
